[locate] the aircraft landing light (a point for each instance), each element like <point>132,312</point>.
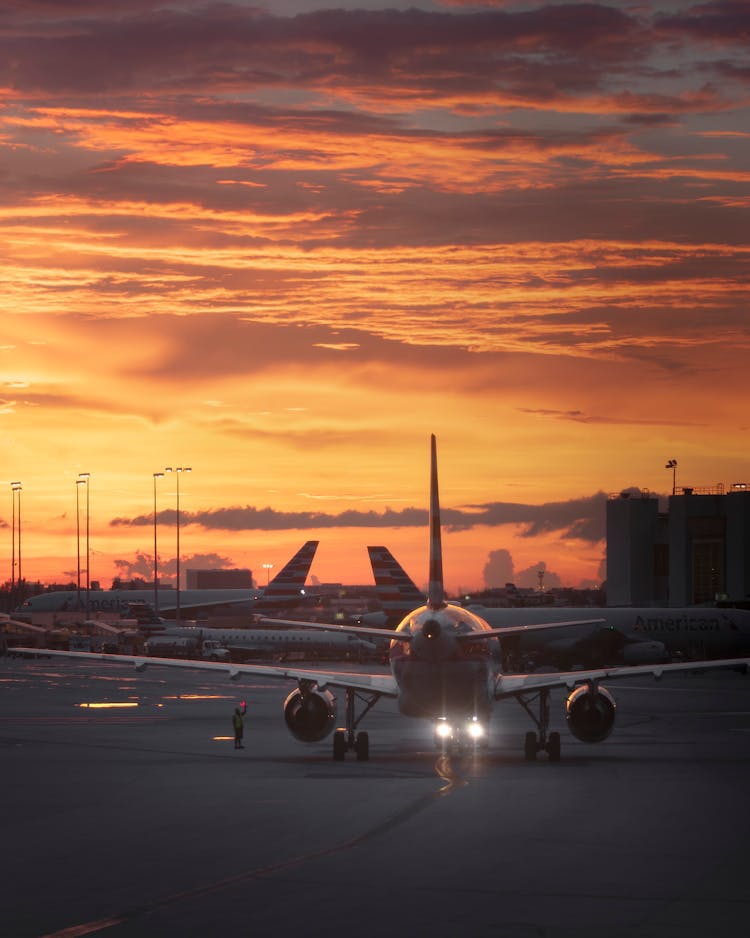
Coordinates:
<point>445,730</point>
<point>475,730</point>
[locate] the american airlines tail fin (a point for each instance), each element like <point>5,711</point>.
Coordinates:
<point>396,591</point>
<point>435,590</point>
<point>290,580</point>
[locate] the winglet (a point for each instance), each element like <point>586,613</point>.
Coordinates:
<point>435,591</point>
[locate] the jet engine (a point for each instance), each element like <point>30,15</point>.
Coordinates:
<point>311,715</point>
<point>590,712</point>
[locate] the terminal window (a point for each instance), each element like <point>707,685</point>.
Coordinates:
<point>708,569</point>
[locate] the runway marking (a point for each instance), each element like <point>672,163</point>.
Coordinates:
<point>101,720</point>
<point>443,768</point>
<point>75,931</point>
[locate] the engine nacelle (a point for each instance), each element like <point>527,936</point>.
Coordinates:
<point>310,716</point>
<point>590,713</point>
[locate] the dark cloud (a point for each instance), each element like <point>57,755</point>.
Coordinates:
<point>577,416</point>
<point>580,519</point>
<point>228,46</point>
<point>725,20</point>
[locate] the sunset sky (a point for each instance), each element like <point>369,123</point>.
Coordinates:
<point>283,242</point>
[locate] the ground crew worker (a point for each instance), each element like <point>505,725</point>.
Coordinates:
<point>238,720</point>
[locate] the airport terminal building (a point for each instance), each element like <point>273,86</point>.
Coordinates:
<point>697,551</point>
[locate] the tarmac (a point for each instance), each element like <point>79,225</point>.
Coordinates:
<point>143,820</point>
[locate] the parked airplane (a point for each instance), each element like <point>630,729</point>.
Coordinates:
<point>285,589</point>
<point>644,633</point>
<point>442,669</point>
<point>595,645</point>
<point>286,640</point>
<point>281,640</point>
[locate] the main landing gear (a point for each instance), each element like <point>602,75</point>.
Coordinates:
<point>346,738</point>
<point>544,742</point>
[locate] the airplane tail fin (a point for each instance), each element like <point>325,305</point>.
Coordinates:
<point>290,580</point>
<point>435,590</point>
<point>396,591</point>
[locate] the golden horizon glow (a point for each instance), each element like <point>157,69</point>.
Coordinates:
<point>526,236</point>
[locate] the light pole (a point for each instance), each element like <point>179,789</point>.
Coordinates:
<point>672,464</point>
<point>157,475</point>
<point>85,477</point>
<point>267,567</point>
<point>79,483</point>
<point>15,493</point>
<point>178,471</point>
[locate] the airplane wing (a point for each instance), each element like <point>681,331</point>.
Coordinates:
<point>363,630</point>
<point>508,685</point>
<point>373,632</point>
<point>508,630</point>
<point>186,608</point>
<point>383,684</point>
<point>8,624</point>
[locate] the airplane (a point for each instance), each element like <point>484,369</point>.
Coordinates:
<point>280,640</point>
<point>443,669</point>
<point>644,632</point>
<point>594,645</point>
<point>285,589</point>
<point>285,640</point>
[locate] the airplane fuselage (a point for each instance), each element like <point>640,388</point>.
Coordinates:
<point>288,640</point>
<point>118,601</point>
<point>714,630</point>
<point>441,672</point>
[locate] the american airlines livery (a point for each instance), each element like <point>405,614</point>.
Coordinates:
<point>625,635</point>
<point>285,589</point>
<point>443,668</point>
<point>397,593</point>
<point>693,631</point>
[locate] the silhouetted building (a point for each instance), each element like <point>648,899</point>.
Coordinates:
<point>698,551</point>
<point>219,579</point>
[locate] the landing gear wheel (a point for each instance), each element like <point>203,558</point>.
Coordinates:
<point>530,746</point>
<point>339,745</point>
<point>553,747</point>
<point>362,747</point>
